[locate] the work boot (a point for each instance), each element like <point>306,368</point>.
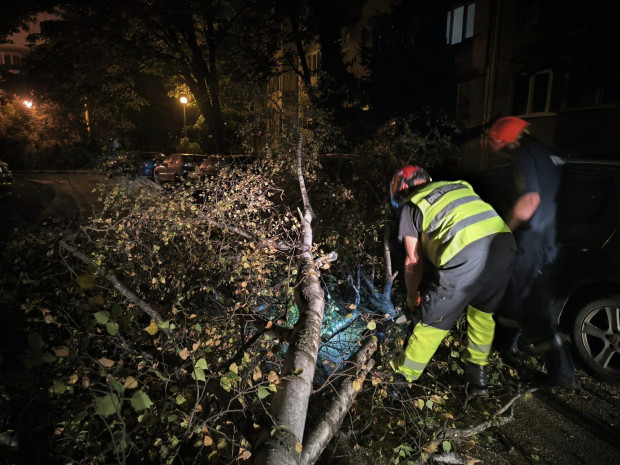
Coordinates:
<point>561,369</point>
<point>476,379</point>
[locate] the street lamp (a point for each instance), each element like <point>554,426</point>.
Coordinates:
<point>27,103</point>
<point>183,100</point>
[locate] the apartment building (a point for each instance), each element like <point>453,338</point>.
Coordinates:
<point>12,52</point>
<point>487,38</point>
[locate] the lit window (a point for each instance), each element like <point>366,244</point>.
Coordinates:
<point>460,23</point>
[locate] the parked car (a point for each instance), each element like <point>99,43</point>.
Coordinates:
<point>136,163</point>
<point>213,163</point>
<point>6,177</point>
<point>582,287</point>
<point>177,167</point>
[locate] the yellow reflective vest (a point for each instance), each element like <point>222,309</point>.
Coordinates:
<point>453,216</point>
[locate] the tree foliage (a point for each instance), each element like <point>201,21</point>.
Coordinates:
<point>42,136</point>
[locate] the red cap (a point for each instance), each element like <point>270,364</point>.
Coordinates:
<point>505,131</point>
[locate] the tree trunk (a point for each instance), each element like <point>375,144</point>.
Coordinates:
<point>290,404</point>
<point>340,405</point>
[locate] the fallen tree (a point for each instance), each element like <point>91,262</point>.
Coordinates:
<point>231,329</point>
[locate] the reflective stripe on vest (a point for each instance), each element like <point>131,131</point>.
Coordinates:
<point>453,216</point>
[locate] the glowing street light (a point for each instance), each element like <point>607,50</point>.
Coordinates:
<point>183,100</point>
<point>27,103</point>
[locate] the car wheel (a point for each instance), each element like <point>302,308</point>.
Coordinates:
<point>596,334</point>
<point>156,179</point>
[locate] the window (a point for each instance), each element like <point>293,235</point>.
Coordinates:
<point>289,81</point>
<point>532,93</point>
<point>460,23</point>
<point>9,59</point>
<point>463,103</point>
<point>274,84</point>
<point>313,61</point>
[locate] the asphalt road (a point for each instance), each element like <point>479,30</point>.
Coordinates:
<point>36,196</point>
<point>551,428</point>
<point>559,428</point>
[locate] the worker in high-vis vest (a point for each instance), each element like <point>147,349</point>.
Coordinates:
<point>470,252</point>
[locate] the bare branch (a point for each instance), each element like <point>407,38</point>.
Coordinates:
<point>453,433</point>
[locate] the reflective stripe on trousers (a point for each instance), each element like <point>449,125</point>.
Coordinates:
<point>420,348</point>
<point>480,332</point>
<point>425,339</point>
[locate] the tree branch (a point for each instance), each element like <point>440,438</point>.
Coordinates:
<point>120,287</point>
<point>340,405</point>
<point>453,433</point>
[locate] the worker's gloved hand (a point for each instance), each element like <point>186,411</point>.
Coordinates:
<point>412,305</point>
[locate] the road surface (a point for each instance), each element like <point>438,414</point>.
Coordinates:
<point>36,196</point>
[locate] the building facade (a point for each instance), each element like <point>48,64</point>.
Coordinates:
<point>12,52</point>
<point>487,38</point>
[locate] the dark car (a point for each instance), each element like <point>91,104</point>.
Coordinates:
<point>6,177</point>
<point>136,163</point>
<point>583,284</point>
<point>177,167</point>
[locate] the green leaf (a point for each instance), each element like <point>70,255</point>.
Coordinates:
<point>118,387</point>
<point>86,281</point>
<point>116,312</point>
<point>202,364</point>
<point>199,374</point>
<point>140,401</point>
<point>429,404</point>
<point>225,383</point>
<point>80,416</point>
<point>48,357</point>
<point>59,388</point>
<point>35,341</point>
<point>263,392</point>
<point>107,405</point>
<point>102,317</point>
<point>447,447</point>
<point>112,328</point>
<point>181,400</point>
<point>371,325</point>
